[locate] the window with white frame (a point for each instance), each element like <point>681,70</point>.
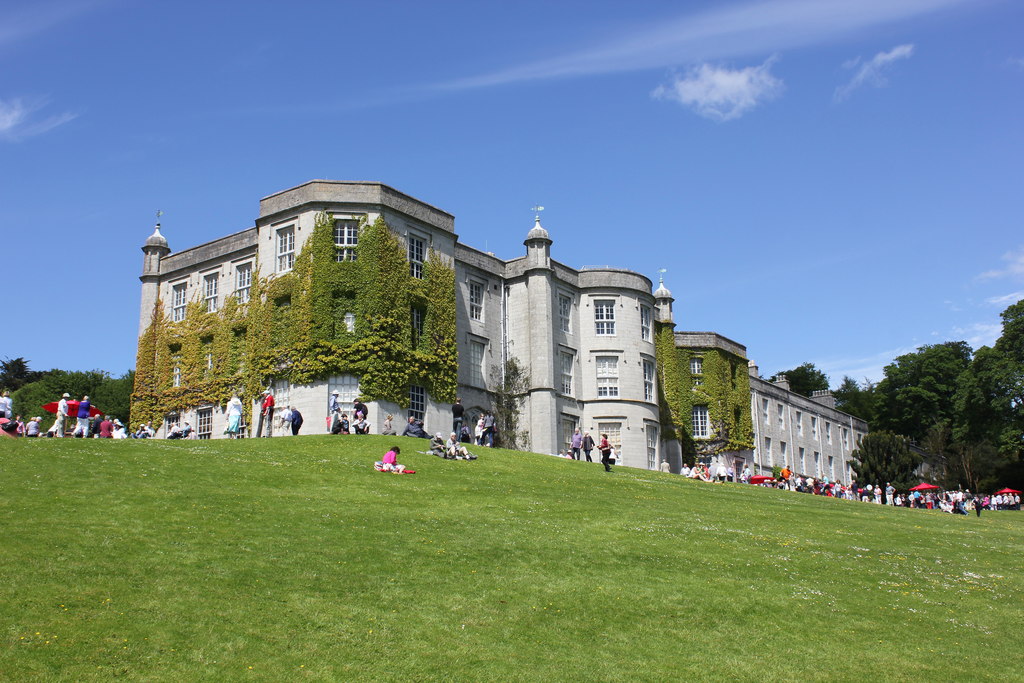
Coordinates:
<point>209,361</point>
<point>604,317</point>
<point>285,249</point>
<point>477,350</point>
<point>417,402</point>
<point>178,301</point>
<point>652,447</point>
<point>243,282</point>
<point>211,283</point>
<point>784,453</point>
<point>569,424</point>
<point>697,365</point>
<point>648,380</point>
<point>803,460</point>
<point>347,387</point>
<point>814,426</point>
<point>831,467</point>
<point>700,422</point>
<point>846,438</point>
<point>204,423</point>
<point>828,433</point>
<point>766,455</point>
<point>568,360</point>
<point>817,464</point>
<point>416,314</point>
<point>176,377</point>
<point>613,430</point>
<point>282,393</point>
<point>607,376</point>
<point>645,323</point>
<point>346,238</point>
<point>565,312</point>
<point>417,248</point>
<point>476,300</point>
<point>781,410</point>
<point>350,322</point>
<point>799,423</point>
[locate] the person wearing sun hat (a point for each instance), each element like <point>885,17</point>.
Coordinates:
<point>62,415</point>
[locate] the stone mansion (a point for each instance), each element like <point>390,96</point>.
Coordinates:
<point>597,345</point>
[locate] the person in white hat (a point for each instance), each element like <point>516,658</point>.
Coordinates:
<point>62,414</point>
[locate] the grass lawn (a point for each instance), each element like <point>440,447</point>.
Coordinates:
<point>292,559</point>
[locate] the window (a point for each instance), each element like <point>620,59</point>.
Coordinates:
<point>417,324</point>
<point>211,284</point>
<point>817,464</point>
<point>799,423</point>
<point>696,365</point>
<point>178,293</point>
<point>648,381</point>
<point>209,360</point>
<point>282,394</point>
<point>604,316</point>
<point>846,438</point>
<point>781,410</point>
<point>350,322</point>
<point>347,387</point>
<point>645,323</point>
<point>567,363</point>
<point>828,433</point>
<point>285,249</point>
<point>764,410</point>
<point>243,281</point>
<point>476,363</point>
<point>831,467</point>
<point>652,447</point>
<point>700,422</point>
<point>476,301</point>
<point>176,377</point>
<point>565,312</point>
<point>416,257</point>
<point>814,427</point>
<point>170,421</point>
<point>784,453</point>
<point>766,456</point>
<point>568,429</point>
<point>608,376</point>
<point>803,462</point>
<point>204,423</point>
<point>346,237</point>
<point>614,432</point>
<point>417,402</point>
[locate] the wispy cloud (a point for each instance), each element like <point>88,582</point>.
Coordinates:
<point>1006,299</point>
<point>735,31</point>
<point>864,367</point>
<point>18,120</point>
<point>1014,267</point>
<point>720,93</point>
<point>979,334</point>
<point>871,72</point>
<point>1016,62</point>
<point>19,21</point>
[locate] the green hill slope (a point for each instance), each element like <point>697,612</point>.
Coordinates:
<point>291,558</point>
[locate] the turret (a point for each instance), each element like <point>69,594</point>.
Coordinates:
<point>155,249</point>
<point>663,302</point>
<point>538,246</point>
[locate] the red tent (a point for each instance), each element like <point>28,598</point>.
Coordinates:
<point>760,479</point>
<point>72,409</point>
<point>925,487</point>
<point>1007,491</point>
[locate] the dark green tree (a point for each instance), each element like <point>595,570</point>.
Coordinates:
<point>15,373</point>
<point>918,388</point>
<point>805,379</point>
<point>111,395</point>
<point>857,399</point>
<point>884,457</point>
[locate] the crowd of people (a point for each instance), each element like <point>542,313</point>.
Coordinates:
<point>89,422</point>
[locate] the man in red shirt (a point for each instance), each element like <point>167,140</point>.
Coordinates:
<point>267,416</point>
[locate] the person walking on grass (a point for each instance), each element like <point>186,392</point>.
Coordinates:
<point>606,453</point>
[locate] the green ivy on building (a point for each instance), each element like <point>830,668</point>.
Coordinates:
<point>297,327</point>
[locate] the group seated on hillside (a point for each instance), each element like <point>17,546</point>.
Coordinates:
<point>452,449</point>
<point>180,431</point>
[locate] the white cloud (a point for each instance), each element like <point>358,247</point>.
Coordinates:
<point>872,72</point>
<point>20,21</point>
<point>1006,299</point>
<point>721,93</point>
<point>1014,268</point>
<point>733,31</point>
<point>979,334</point>
<point>17,119</point>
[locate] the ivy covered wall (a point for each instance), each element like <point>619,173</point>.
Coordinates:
<point>723,387</point>
<point>294,327</point>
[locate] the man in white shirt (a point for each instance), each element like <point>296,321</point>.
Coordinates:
<point>62,415</point>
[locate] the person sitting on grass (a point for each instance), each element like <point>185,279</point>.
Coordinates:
<point>437,445</point>
<point>390,462</point>
<point>361,426</point>
<point>453,450</point>
<point>415,428</point>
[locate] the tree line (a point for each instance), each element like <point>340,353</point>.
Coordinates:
<point>31,389</point>
<point>955,410</point>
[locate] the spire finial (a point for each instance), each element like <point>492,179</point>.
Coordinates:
<point>661,275</point>
<point>158,214</point>
<point>536,210</point>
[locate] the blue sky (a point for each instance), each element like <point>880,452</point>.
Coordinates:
<point>834,182</point>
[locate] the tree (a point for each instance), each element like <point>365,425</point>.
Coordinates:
<point>856,399</point>
<point>805,379</point>
<point>883,458</point>
<point>506,400</point>
<point>918,388</point>
<point>14,374</point>
<point>111,395</point>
